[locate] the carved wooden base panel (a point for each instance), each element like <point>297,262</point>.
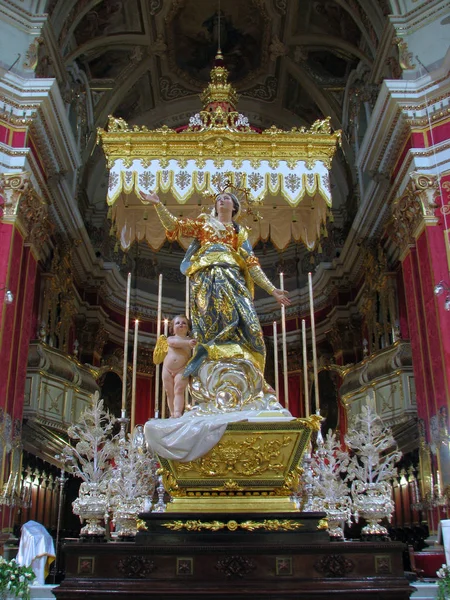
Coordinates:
<point>217,557</point>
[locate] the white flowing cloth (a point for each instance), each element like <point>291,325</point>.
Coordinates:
<point>443,537</point>
<point>36,549</point>
<point>192,436</point>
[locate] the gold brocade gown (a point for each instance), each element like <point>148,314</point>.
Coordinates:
<point>222,267</point>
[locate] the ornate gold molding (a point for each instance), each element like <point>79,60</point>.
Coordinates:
<point>233,141</point>
<point>267,525</point>
<point>248,457</point>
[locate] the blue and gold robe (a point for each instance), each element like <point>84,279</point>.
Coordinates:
<point>222,268</point>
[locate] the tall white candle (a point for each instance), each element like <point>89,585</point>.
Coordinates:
<point>283,338</point>
<point>305,369</point>
<point>133,380</point>
<point>158,333</point>
<point>186,312</point>
<point>163,399</point>
<point>187,298</point>
<point>125,348</point>
<point>275,359</point>
<point>314,348</point>
<point>158,322</point>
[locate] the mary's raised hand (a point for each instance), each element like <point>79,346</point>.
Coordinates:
<point>153,197</point>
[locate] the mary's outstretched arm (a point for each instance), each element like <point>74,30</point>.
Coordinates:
<point>174,227</point>
<point>261,279</point>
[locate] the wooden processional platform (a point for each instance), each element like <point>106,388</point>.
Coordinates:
<point>232,556</point>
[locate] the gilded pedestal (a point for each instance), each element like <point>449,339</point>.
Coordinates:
<point>255,466</point>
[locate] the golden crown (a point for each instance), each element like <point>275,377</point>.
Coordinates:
<point>224,183</point>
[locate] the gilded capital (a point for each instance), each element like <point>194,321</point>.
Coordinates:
<point>23,204</point>
<point>404,56</point>
<point>13,187</point>
<point>414,209</point>
<point>425,188</point>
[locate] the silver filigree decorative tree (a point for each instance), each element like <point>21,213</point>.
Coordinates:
<point>371,468</point>
<point>331,492</point>
<point>132,483</point>
<point>90,459</point>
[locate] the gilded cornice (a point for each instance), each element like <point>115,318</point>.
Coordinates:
<point>229,141</point>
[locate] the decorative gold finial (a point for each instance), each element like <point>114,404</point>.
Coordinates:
<point>219,91</point>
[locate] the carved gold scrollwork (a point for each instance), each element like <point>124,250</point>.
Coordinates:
<point>267,524</point>
<point>117,124</point>
<point>247,458</point>
<point>13,187</point>
<point>404,56</point>
<point>21,201</point>
<point>170,484</point>
<point>291,483</point>
<point>32,54</point>
<point>425,188</point>
<point>34,215</point>
<point>229,486</point>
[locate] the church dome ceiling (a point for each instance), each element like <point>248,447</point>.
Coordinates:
<point>147,61</point>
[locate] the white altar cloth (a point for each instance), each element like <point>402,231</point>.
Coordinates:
<point>193,435</point>
<point>36,549</point>
<point>443,537</point>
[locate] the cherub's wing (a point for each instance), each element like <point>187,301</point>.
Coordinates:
<point>161,349</point>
